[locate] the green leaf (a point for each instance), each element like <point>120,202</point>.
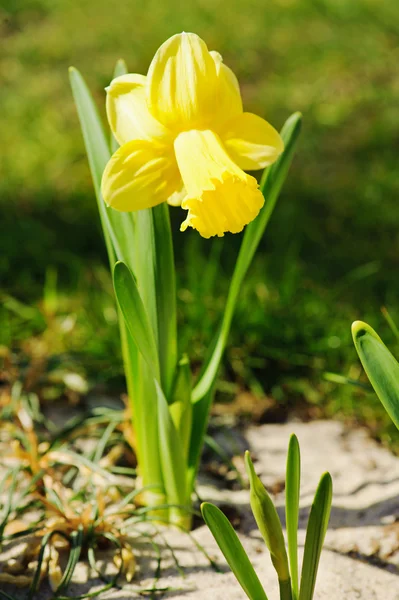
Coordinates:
<point>271,184</point>
<point>292,483</point>
<point>97,148</point>
<point>165,283</point>
<point>135,315</point>
<point>120,69</point>
<point>268,521</point>
<point>315,534</point>
<point>180,407</point>
<point>381,367</point>
<point>127,239</point>
<point>174,467</point>
<point>233,551</point>
<point>117,226</point>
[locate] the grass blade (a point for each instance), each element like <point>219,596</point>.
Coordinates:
<point>381,367</point>
<point>315,534</point>
<point>233,551</point>
<point>293,478</point>
<point>390,321</point>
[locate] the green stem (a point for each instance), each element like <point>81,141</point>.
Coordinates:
<point>285,589</point>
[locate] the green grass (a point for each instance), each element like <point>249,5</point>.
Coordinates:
<point>331,251</point>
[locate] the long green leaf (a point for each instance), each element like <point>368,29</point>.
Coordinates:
<point>120,69</point>
<point>135,315</point>
<point>292,483</point>
<point>97,148</point>
<point>315,534</point>
<point>381,367</point>
<point>123,234</point>
<point>174,467</point>
<point>116,225</point>
<point>180,406</point>
<point>165,295</point>
<point>271,184</point>
<point>268,521</point>
<point>233,551</point>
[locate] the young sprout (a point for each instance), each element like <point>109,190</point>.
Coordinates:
<point>269,524</point>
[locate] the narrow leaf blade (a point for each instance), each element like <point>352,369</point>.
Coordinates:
<point>315,534</point>
<point>180,405</point>
<point>96,144</point>
<point>381,367</point>
<point>268,521</point>
<point>165,282</point>
<point>135,315</point>
<point>271,184</point>
<point>233,551</point>
<point>174,467</point>
<point>293,477</point>
<point>116,226</point>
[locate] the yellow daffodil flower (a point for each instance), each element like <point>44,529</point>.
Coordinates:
<point>184,139</point>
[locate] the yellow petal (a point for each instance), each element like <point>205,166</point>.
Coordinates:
<point>229,101</point>
<point>220,196</point>
<point>182,80</point>
<point>177,197</point>
<point>252,142</point>
<point>127,111</point>
<point>139,175</point>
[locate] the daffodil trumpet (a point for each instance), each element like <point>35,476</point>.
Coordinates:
<point>184,141</point>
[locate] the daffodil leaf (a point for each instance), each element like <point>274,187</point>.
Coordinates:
<point>292,482</point>
<point>233,551</point>
<point>120,69</point>
<point>381,367</point>
<point>174,467</point>
<point>116,226</point>
<point>315,534</point>
<point>135,315</point>
<point>268,521</point>
<point>271,184</point>
<point>180,405</point>
<point>165,282</point>
<point>128,238</point>
<point>96,147</point>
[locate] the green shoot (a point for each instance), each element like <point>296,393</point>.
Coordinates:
<point>270,527</point>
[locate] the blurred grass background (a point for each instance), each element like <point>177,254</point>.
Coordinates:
<point>331,252</point>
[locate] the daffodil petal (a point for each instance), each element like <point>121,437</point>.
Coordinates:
<point>220,196</point>
<point>128,113</point>
<point>182,80</point>
<point>252,142</point>
<point>228,102</point>
<point>139,175</point>
<point>177,197</point>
